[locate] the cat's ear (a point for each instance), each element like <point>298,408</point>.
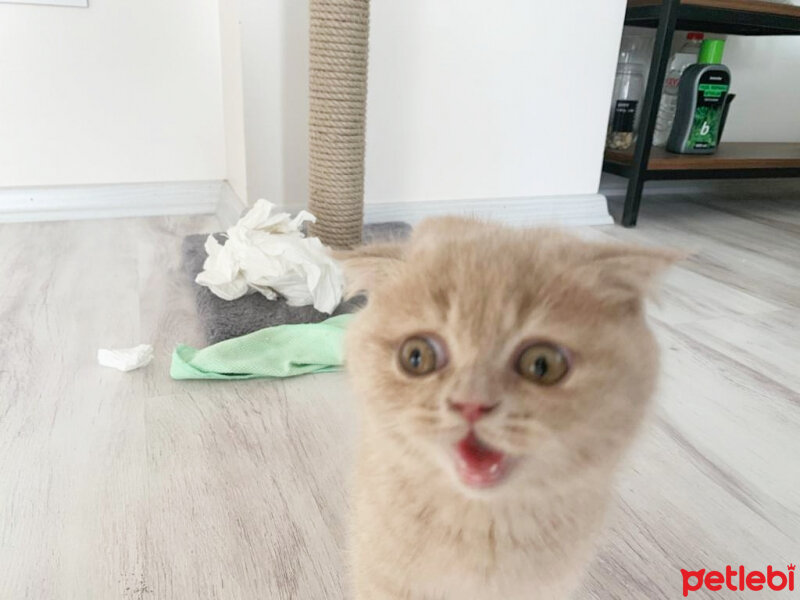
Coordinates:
<point>368,266</point>
<point>626,274</point>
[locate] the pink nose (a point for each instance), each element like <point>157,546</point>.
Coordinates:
<point>472,411</point>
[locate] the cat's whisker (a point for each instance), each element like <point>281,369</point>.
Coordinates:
<point>518,429</point>
<point>426,418</point>
<point>523,415</point>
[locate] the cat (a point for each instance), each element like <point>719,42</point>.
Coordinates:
<point>502,373</point>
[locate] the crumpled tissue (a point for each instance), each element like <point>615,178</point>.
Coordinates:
<point>126,359</point>
<point>268,253</point>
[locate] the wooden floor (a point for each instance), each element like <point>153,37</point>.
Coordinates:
<point>134,486</point>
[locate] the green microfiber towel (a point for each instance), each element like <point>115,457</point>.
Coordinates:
<point>281,351</point>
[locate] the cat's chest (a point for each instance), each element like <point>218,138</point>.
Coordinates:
<point>482,550</point>
<point>516,577</point>
<point>462,553</point>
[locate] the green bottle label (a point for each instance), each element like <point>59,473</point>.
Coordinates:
<point>712,89</point>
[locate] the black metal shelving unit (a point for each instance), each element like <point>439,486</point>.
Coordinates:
<point>740,160</point>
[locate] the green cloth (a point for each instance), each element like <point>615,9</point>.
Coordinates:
<point>282,351</point>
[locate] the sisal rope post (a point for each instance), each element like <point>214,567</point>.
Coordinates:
<point>339,38</point>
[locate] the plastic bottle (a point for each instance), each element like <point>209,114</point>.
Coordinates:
<point>701,103</point>
<point>687,55</point>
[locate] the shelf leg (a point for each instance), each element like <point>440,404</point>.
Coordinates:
<point>647,120</point>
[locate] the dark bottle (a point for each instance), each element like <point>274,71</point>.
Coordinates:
<point>701,103</point>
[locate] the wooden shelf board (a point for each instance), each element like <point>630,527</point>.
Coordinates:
<point>753,6</point>
<point>729,156</point>
<point>736,17</point>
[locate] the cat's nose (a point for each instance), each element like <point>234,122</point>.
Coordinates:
<point>472,411</point>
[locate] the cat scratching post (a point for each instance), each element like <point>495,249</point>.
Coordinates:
<point>339,39</point>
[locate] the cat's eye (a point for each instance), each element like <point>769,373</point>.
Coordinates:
<point>543,363</point>
<point>421,355</point>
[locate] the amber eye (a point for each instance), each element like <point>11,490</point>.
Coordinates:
<point>420,355</point>
<point>544,364</point>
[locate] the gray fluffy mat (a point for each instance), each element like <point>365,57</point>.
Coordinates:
<point>223,319</point>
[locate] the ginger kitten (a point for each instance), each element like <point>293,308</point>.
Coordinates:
<point>502,373</point>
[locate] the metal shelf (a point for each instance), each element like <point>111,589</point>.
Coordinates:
<point>643,163</point>
<point>737,17</point>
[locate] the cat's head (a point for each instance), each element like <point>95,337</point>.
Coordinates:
<point>505,356</point>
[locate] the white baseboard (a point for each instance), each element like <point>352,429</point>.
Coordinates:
<point>217,197</point>
<point>573,210</point>
<point>62,203</point>
<point>230,207</point>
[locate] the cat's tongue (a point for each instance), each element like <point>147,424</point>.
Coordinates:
<point>478,464</point>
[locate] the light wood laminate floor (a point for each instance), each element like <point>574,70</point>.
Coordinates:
<point>137,487</point>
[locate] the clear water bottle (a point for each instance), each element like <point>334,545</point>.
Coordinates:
<point>687,55</point>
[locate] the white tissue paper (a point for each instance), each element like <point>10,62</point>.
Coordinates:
<point>126,359</point>
<point>268,254</point>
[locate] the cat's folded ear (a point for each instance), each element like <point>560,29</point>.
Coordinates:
<point>623,274</point>
<point>367,267</point>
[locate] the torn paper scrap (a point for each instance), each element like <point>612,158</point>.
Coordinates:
<point>126,359</point>
<point>269,254</point>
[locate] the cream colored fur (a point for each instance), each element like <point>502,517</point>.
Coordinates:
<point>418,533</point>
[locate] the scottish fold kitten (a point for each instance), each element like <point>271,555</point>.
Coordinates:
<point>501,375</point>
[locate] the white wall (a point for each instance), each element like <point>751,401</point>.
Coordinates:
<point>467,98</point>
<point>124,91</point>
<point>233,96</point>
<point>262,63</point>
<point>481,99</point>
<point>765,75</point>
<point>295,102</point>
<point>274,40</point>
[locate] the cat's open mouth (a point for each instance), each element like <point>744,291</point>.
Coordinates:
<point>478,464</point>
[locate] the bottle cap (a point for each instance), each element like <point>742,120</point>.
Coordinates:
<point>711,52</point>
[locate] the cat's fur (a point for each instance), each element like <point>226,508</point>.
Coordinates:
<point>418,532</point>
